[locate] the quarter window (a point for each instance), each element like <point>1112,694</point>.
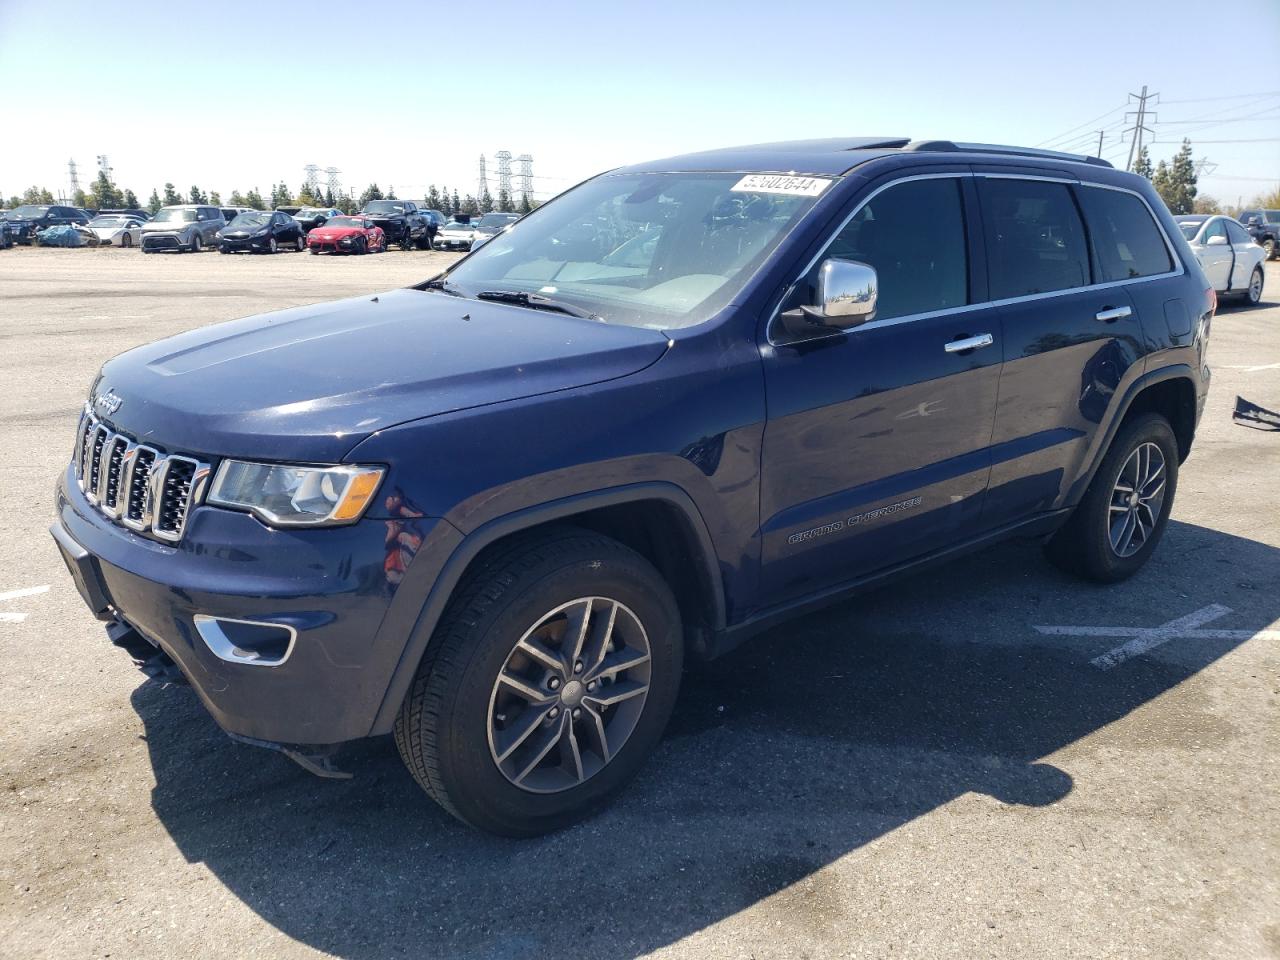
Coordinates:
<point>913,235</point>
<point>1035,240</point>
<point>1126,241</point>
<point>1237,233</point>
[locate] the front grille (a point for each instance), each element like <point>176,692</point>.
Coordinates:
<point>137,485</point>
<point>161,243</point>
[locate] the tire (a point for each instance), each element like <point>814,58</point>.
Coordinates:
<point>222,249</point>
<point>126,240</point>
<point>273,245</point>
<point>1269,246</point>
<point>424,242</point>
<point>1253,293</point>
<point>406,241</point>
<point>315,251</point>
<point>361,246</point>
<point>1084,545</point>
<point>452,712</point>
<point>197,245</point>
<point>300,244</point>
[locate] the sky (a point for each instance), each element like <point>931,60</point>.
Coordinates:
<point>233,94</point>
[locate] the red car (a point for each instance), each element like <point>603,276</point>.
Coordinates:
<point>348,235</point>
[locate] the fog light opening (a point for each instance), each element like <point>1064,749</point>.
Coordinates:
<point>250,642</point>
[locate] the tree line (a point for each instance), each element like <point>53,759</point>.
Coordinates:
<point>105,195</point>
<point>1178,185</point>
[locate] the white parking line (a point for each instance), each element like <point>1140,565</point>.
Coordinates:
<point>1143,639</point>
<point>1253,369</point>
<point>24,592</point>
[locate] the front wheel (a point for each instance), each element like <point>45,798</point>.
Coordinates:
<point>546,684</point>
<point>196,244</point>
<point>361,246</point>
<point>1117,525</point>
<point>126,240</point>
<point>300,244</point>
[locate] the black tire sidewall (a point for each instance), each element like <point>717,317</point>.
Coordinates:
<point>1100,561</point>
<point>478,789</point>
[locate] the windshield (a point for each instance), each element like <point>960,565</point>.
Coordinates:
<point>383,206</point>
<point>660,250</point>
<point>175,215</point>
<point>257,219</point>
<point>1190,228</point>
<point>457,225</point>
<point>1273,216</point>
<point>497,219</point>
<point>308,212</point>
<point>26,212</point>
<point>107,222</point>
<point>344,222</point>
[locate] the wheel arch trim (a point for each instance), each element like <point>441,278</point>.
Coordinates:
<point>465,552</point>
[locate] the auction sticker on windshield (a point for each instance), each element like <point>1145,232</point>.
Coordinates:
<point>772,183</point>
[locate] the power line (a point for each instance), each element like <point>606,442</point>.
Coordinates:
<point>1087,123</point>
<point>1234,96</point>
<point>1247,140</point>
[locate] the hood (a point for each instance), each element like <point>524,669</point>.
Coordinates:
<point>333,233</point>
<point>106,233</point>
<point>315,381</point>
<point>168,226</point>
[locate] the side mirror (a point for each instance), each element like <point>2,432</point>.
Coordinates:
<point>1218,241</point>
<point>846,292</point>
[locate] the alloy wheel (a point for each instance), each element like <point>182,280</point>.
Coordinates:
<point>1255,285</point>
<point>272,245</point>
<point>569,695</point>
<point>1136,500</point>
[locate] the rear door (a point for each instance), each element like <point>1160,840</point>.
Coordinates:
<point>876,448</point>
<point>1216,258</point>
<point>1073,299</point>
<point>1244,254</point>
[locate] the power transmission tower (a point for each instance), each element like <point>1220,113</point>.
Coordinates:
<point>104,165</point>
<point>73,177</point>
<point>335,187</point>
<point>504,172</point>
<point>484,180</point>
<point>1139,127</point>
<point>526,174</point>
<point>312,180</point>
<point>1205,167</point>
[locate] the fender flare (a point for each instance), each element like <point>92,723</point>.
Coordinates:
<point>459,560</point>
<point>1174,371</point>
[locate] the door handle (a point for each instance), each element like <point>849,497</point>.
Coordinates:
<point>1112,314</point>
<point>966,344</point>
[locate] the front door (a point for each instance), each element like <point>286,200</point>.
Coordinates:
<point>876,448</point>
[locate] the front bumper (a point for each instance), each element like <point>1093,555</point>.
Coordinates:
<point>340,245</point>
<point>450,243</point>
<point>330,588</point>
<point>244,244</point>
<point>165,241</point>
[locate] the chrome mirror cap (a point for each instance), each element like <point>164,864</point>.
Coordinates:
<point>847,292</point>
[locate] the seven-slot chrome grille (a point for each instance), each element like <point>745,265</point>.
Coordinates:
<point>137,485</point>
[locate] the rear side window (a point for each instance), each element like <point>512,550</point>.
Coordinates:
<point>1126,240</point>
<point>1237,233</point>
<point>913,234</point>
<point>1035,240</point>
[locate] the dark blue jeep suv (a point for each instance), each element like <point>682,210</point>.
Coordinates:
<point>493,513</point>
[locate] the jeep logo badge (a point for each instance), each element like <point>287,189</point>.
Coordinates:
<point>108,403</point>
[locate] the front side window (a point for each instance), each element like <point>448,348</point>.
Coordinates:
<point>1035,240</point>
<point>1237,233</point>
<point>1126,240</point>
<point>1272,216</point>
<point>704,235</point>
<point>1216,228</point>
<point>913,234</point>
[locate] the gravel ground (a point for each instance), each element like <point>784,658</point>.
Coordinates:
<point>917,773</point>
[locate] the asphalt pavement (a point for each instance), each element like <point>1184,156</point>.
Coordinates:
<point>949,767</point>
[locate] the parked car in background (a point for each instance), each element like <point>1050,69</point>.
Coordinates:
<point>136,212</point>
<point>230,213</point>
<point>6,238</point>
<point>261,231</point>
<point>290,210</point>
<point>490,225</point>
<point>455,235</point>
<point>1264,227</point>
<point>1227,255</point>
<point>30,218</point>
<point>401,221</point>
<point>183,227</point>
<point>312,217</point>
<point>496,513</point>
<point>116,229</point>
<point>348,234</point>
<point>435,220</point>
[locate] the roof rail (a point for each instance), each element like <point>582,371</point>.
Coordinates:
<point>951,146</point>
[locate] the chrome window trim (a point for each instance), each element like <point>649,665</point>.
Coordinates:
<point>985,304</point>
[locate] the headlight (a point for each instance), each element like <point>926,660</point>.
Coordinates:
<point>285,495</point>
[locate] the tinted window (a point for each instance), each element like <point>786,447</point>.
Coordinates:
<point>1035,241</point>
<point>913,234</point>
<point>1126,240</point>
<point>1216,228</point>
<point>1237,233</point>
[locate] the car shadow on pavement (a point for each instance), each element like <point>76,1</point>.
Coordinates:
<point>801,747</point>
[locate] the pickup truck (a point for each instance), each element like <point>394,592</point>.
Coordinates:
<point>1264,227</point>
<point>401,221</point>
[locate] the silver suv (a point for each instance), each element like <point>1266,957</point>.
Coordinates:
<point>189,226</point>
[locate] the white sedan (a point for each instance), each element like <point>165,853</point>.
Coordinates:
<point>1227,254</point>
<point>117,230</point>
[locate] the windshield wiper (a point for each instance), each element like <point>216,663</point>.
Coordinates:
<point>444,286</point>
<point>536,301</point>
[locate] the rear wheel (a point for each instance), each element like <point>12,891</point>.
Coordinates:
<point>300,244</point>
<point>1254,292</point>
<point>547,683</point>
<point>1270,247</point>
<point>1122,517</point>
